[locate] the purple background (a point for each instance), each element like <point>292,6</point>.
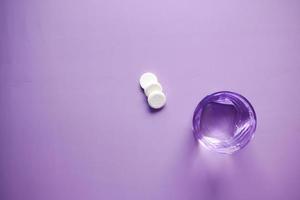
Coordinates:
<point>74,123</point>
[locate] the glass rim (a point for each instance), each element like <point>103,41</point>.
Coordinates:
<point>241,137</point>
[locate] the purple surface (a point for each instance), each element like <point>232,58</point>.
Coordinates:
<point>74,123</point>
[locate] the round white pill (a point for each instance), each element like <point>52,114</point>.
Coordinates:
<point>152,88</point>
<point>157,99</point>
<point>147,79</point>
